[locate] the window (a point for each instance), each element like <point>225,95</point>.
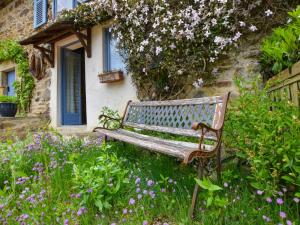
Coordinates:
<point>112,58</point>
<point>60,5</point>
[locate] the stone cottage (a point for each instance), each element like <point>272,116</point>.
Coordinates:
<point>69,91</point>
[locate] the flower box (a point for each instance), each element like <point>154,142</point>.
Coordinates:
<point>111,77</point>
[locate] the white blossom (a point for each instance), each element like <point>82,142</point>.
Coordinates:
<point>268,12</point>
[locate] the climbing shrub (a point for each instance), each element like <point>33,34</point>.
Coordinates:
<point>11,50</point>
<point>169,45</point>
<point>281,49</point>
<point>266,135</point>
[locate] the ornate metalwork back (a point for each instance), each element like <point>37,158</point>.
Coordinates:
<point>175,115</point>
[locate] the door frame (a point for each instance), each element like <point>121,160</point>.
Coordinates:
<point>61,112</point>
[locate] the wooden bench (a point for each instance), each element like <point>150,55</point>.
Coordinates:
<point>202,118</point>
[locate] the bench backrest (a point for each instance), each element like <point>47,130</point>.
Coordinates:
<point>176,116</point>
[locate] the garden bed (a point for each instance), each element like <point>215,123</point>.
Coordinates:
<point>46,179</point>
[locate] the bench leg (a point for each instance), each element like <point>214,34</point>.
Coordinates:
<point>219,164</point>
<point>196,189</point>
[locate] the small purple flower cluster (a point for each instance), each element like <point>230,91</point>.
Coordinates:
<point>22,180</point>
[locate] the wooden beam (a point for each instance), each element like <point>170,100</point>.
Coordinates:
<point>85,40</point>
<point>48,54</point>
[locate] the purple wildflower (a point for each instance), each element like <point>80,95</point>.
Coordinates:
<point>66,222</point>
<point>145,192</point>
<point>288,222</point>
<point>163,190</point>
<point>280,193</point>
<point>139,196</point>
<point>125,211</point>
<point>138,190</point>
<point>1,206</point>
<point>131,201</point>
<point>137,180</point>
<point>81,211</point>
<point>259,192</point>
<point>279,201</point>
<point>145,222</point>
<point>78,195</point>
<point>152,194</point>
<point>267,219</point>
<point>282,214</point>
<point>90,190</point>
<point>150,183</point>
<point>269,200</point>
<point>225,184</point>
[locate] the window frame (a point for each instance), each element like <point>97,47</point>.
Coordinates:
<point>54,9</point>
<point>107,67</point>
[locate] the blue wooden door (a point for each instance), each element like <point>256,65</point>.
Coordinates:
<point>11,77</point>
<point>71,88</point>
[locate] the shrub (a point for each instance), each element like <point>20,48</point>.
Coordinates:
<point>10,99</point>
<point>281,49</point>
<point>267,135</point>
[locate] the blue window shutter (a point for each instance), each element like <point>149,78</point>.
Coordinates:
<point>40,13</point>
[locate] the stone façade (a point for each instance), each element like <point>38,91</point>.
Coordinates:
<point>16,23</point>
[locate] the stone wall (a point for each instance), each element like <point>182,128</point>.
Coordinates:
<point>241,62</point>
<point>16,22</point>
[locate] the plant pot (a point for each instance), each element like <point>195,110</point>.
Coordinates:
<point>8,109</point>
<point>111,77</point>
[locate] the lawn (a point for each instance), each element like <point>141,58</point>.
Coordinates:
<point>50,180</point>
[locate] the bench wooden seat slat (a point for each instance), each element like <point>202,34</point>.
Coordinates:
<point>179,149</point>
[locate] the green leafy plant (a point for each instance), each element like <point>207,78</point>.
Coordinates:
<point>282,48</point>
<point>266,135</point>
<point>99,180</point>
<point>9,99</point>
<point>110,124</point>
<point>212,198</point>
<point>12,50</point>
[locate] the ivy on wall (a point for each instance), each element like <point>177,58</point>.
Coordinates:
<point>24,85</point>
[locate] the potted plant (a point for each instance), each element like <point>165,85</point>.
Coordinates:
<point>8,106</point>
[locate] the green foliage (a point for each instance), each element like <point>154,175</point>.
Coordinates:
<point>100,179</point>
<point>110,124</point>
<point>282,48</point>
<point>212,199</point>
<point>46,179</point>
<point>266,135</point>
<point>11,99</point>
<point>12,50</point>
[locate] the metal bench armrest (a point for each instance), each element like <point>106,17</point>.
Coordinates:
<point>204,128</point>
<point>106,119</point>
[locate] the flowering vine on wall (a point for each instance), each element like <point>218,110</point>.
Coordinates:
<point>168,45</point>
